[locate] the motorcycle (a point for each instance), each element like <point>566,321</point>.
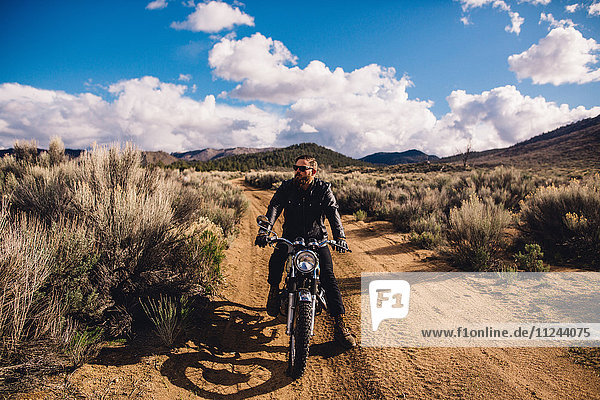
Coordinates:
<point>302,297</point>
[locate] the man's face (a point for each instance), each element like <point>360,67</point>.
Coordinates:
<point>303,177</point>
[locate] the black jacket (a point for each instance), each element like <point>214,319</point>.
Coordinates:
<point>305,210</point>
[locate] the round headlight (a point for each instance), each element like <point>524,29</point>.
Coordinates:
<point>305,261</point>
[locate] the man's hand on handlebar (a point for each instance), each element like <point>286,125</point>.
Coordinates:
<point>341,245</point>
<point>261,240</point>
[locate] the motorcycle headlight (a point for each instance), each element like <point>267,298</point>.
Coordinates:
<point>305,261</point>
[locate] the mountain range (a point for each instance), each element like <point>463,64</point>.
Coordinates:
<point>573,145</point>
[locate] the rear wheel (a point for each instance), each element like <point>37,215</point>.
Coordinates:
<point>300,340</point>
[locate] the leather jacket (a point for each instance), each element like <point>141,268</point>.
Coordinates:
<point>304,211</point>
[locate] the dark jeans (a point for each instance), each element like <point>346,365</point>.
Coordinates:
<point>332,291</point>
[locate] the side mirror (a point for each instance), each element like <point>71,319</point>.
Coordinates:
<point>262,221</point>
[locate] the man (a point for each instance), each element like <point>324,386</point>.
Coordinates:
<point>305,201</point>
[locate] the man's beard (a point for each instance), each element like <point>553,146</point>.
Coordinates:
<point>301,180</point>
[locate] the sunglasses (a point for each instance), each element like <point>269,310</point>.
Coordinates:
<point>302,168</point>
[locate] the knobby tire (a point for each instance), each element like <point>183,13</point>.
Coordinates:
<point>300,340</point>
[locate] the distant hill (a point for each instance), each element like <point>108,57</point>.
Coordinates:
<point>280,157</point>
<point>214,154</point>
<point>157,157</point>
<point>393,158</point>
<point>573,145</point>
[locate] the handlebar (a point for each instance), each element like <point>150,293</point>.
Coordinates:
<point>276,239</point>
<point>272,237</point>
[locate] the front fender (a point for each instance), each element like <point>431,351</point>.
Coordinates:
<point>304,295</point>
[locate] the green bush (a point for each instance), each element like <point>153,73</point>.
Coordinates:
<point>168,315</point>
<point>476,234</point>
<point>360,215</point>
<point>531,260</point>
<point>565,220</point>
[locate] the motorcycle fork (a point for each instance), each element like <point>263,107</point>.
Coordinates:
<point>291,304</point>
<point>315,285</point>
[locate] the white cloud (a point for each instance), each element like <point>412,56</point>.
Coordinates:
<point>536,2</point>
<point>156,5</point>
<point>516,22</point>
<point>358,112</point>
<point>571,8</point>
<point>212,17</point>
<point>152,114</point>
<point>564,56</point>
<point>185,77</point>
<point>369,110</point>
<point>158,116</point>
<point>466,21</point>
<point>594,9</point>
<point>499,118</point>
<point>563,23</point>
<point>354,112</point>
<point>515,19</point>
<point>267,72</point>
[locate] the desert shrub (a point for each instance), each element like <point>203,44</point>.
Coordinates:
<point>74,261</point>
<point>266,179</point>
<point>506,186</point>
<point>476,234</point>
<point>84,344</point>
<point>26,252</point>
<point>360,215</point>
<point>565,220</point>
<point>531,260</point>
<point>26,151</point>
<point>427,231</point>
<point>426,239</point>
<point>354,197</point>
<point>85,239</point>
<point>56,151</point>
<point>169,316</point>
<point>46,193</point>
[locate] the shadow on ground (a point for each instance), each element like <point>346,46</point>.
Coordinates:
<point>229,354</point>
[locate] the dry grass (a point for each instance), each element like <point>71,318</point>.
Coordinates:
<point>84,239</point>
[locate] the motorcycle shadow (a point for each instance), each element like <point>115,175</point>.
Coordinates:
<point>233,357</point>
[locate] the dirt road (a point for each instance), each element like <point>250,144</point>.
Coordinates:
<point>240,352</point>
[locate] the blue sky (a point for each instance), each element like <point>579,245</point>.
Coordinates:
<point>357,77</point>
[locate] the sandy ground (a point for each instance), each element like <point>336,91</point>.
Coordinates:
<point>239,352</point>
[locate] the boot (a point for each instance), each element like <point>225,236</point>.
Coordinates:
<point>273,301</point>
<point>342,334</point>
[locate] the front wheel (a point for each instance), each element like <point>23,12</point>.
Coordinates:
<point>300,340</point>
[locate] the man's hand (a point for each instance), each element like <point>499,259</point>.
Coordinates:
<point>342,246</point>
<point>261,240</point>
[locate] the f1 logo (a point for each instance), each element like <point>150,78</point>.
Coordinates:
<point>389,299</point>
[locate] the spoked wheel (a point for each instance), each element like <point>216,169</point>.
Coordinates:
<point>300,340</point>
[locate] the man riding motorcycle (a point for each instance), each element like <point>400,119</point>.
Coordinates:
<point>305,201</point>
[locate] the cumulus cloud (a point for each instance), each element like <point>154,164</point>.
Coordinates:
<point>515,19</point>
<point>499,118</point>
<point>564,56</point>
<point>153,114</point>
<point>156,5</point>
<point>212,17</point>
<point>185,77</point>
<point>357,112</point>
<point>369,110</point>
<point>594,9</point>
